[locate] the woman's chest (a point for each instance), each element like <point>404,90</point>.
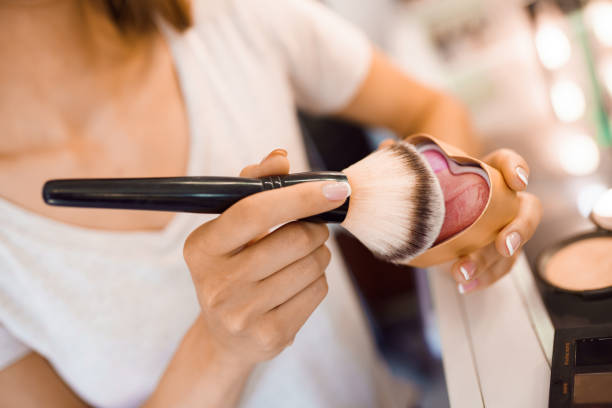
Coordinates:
<point>143,132</point>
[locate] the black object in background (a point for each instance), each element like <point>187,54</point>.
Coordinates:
<point>333,145</point>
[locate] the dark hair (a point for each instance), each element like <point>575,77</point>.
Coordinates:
<point>139,15</point>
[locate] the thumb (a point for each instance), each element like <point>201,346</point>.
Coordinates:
<point>275,164</point>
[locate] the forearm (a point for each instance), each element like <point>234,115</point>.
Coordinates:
<point>390,98</point>
<point>449,121</point>
<point>198,376</point>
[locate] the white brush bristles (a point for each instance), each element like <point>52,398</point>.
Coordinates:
<point>396,208</point>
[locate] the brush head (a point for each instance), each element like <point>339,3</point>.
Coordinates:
<point>397,206</point>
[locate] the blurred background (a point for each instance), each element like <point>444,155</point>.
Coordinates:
<point>537,77</point>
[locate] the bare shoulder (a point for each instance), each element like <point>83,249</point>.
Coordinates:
<point>32,382</point>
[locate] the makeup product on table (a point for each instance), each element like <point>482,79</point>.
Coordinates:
<point>478,201</point>
<point>575,280</point>
<point>396,207</point>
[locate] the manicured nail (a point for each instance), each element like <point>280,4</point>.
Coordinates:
<point>337,191</point>
<point>468,287</point>
<point>522,174</point>
<point>513,242</point>
<point>468,270</point>
<point>276,152</point>
<point>280,152</point>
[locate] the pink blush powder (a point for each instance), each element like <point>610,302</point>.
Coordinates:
<point>465,195</point>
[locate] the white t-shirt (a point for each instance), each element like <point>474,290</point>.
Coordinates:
<point>108,309</point>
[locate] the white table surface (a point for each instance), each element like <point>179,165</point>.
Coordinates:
<point>491,351</point>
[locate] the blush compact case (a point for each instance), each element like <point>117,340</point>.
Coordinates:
<point>501,207</point>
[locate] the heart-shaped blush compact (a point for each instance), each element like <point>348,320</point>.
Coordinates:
<point>478,203</point>
<point>465,187</point>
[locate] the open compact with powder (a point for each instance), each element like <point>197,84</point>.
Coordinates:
<point>575,280</point>
<point>581,265</point>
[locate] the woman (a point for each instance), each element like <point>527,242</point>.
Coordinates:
<point>98,307</point>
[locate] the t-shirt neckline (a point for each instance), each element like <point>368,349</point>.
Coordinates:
<point>23,213</point>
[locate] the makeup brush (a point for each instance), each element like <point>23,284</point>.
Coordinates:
<point>396,207</point>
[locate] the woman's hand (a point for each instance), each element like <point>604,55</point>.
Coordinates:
<point>484,267</point>
<point>256,289</point>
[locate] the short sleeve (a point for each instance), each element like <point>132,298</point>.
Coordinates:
<point>326,58</point>
<point>11,349</point>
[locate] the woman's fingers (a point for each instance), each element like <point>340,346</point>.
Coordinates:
<point>291,315</point>
<point>271,332</point>
<point>496,271</point>
<point>274,164</point>
<point>386,143</point>
<point>283,285</point>
<point>480,269</point>
<point>272,252</point>
<point>467,268</point>
<point>486,266</point>
<point>488,276</point>
<point>254,216</point>
<point>513,167</point>
<point>257,214</point>
<point>258,298</point>
<point>522,228</point>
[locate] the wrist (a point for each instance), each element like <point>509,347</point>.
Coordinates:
<point>213,354</point>
<point>201,374</point>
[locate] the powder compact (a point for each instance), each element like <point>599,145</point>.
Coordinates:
<point>575,280</point>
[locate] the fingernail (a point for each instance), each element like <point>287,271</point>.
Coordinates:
<point>522,174</point>
<point>280,152</point>
<point>468,270</point>
<point>337,191</point>
<point>276,152</point>
<point>513,242</point>
<point>468,286</point>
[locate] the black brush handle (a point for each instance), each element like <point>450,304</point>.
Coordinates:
<point>206,195</point>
